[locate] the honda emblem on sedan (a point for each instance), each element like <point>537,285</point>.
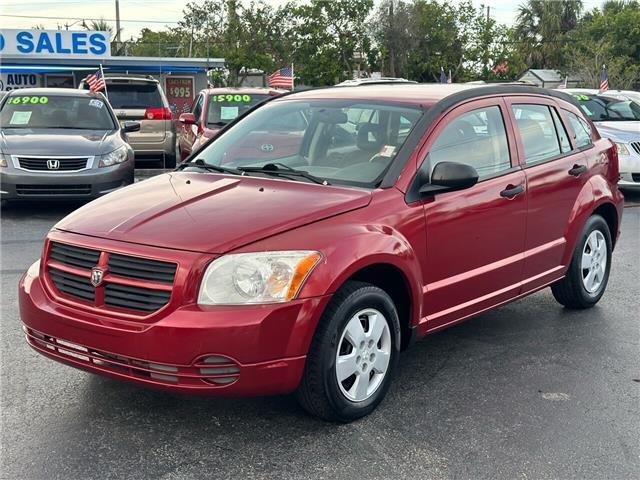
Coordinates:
<point>96,276</point>
<point>53,164</point>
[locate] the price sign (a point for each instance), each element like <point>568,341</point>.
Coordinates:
<point>179,92</point>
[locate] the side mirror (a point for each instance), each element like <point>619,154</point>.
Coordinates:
<point>131,127</point>
<point>187,119</point>
<point>450,176</point>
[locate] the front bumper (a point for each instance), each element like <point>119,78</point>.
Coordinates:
<point>263,347</point>
<point>629,166</point>
<point>18,184</point>
<point>146,145</point>
<point>629,181</point>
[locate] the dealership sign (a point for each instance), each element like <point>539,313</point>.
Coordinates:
<point>55,43</point>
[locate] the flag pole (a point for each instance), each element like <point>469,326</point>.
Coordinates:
<point>292,78</point>
<point>106,93</point>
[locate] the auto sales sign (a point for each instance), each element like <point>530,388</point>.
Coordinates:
<point>54,43</point>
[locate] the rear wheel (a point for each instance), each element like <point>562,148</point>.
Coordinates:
<point>353,354</point>
<point>588,273</point>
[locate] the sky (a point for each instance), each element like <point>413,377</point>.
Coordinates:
<point>158,14</point>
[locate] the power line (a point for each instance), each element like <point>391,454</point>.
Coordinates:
<point>78,18</point>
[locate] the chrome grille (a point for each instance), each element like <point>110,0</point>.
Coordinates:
<point>636,146</point>
<point>53,164</point>
<point>123,285</point>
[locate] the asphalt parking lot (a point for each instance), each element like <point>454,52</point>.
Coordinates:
<point>530,391</point>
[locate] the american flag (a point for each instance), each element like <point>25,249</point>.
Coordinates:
<point>604,80</point>
<point>282,78</point>
<point>564,82</point>
<point>95,82</point>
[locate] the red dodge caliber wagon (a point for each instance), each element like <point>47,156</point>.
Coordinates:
<point>405,209</point>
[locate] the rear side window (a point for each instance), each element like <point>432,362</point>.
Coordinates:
<point>141,96</point>
<point>476,138</point>
<point>197,109</point>
<point>565,145</point>
<point>581,129</point>
<point>537,132</point>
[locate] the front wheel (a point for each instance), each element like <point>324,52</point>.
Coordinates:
<point>353,354</point>
<point>588,272</point>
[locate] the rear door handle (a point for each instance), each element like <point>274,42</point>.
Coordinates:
<point>511,191</point>
<point>578,170</point>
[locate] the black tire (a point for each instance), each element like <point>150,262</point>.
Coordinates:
<point>570,291</point>
<point>170,160</point>
<point>319,392</point>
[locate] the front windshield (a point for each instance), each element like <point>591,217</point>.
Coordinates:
<point>56,111</point>
<point>223,108</point>
<point>606,109</point>
<point>341,141</point>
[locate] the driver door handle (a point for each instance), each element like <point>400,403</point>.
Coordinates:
<point>512,191</point>
<point>577,170</point>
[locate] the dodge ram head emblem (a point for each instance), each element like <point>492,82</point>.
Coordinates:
<point>96,276</point>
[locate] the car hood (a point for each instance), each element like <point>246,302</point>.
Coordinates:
<point>211,213</point>
<point>55,141</point>
<point>622,131</point>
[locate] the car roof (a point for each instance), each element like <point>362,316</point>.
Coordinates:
<point>244,90</point>
<point>591,91</point>
<point>132,78</point>
<point>61,92</point>
<point>421,94</point>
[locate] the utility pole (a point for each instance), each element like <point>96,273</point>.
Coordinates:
<point>486,45</point>
<point>392,42</point>
<point>118,23</point>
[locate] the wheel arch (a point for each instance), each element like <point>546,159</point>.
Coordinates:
<point>395,283</point>
<point>607,210</point>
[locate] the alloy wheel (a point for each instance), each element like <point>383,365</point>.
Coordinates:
<point>363,355</point>
<point>594,261</point>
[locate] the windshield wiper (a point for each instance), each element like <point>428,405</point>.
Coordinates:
<point>278,169</point>
<point>212,168</point>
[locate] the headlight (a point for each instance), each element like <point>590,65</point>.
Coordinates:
<point>34,269</point>
<point>3,160</point>
<point>263,277</point>
<point>119,155</point>
<point>622,149</point>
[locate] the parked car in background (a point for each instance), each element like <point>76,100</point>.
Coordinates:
<point>214,108</point>
<point>140,98</point>
<point>617,118</point>
<point>309,271</point>
<point>59,143</point>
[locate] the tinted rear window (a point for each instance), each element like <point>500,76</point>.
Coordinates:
<point>123,96</point>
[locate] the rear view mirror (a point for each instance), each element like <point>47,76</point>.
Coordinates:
<point>332,116</point>
<point>129,127</point>
<point>450,176</point>
<point>187,119</point>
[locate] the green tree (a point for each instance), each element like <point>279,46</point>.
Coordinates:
<point>541,29</point>
<point>326,37</point>
<point>610,36</point>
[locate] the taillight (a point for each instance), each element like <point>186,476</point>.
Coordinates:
<point>157,114</point>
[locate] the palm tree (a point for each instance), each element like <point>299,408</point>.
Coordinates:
<point>541,27</point>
